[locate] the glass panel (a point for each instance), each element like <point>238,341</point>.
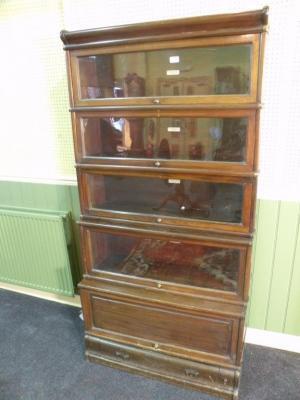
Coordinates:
<point>170,261</point>
<point>220,70</point>
<point>168,197</point>
<point>206,139</point>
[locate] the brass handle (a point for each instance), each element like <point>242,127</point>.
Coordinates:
<point>159,220</point>
<point>156,101</point>
<point>157,163</point>
<point>122,355</point>
<point>191,373</point>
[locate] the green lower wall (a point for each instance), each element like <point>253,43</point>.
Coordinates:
<point>275,290</point>
<point>275,294</point>
<point>47,197</point>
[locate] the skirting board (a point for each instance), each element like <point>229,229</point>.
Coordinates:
<point>258,337</point>
<point>71,301</point>
<point>276,340</point>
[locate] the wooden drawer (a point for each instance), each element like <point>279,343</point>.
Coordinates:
<point>212,379</point>
<point>210,202</point>
<point>197,264</point>
<point>193,334</point>
<point>167,139</point>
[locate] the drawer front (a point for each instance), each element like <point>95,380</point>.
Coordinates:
<point>206,202</point>
<point>154,259</point>
<point>190,140</point>
<point>186,71</point>
<point>195,374</point>
<point>160,328</point>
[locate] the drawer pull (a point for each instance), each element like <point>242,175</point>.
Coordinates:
<point>156,101</point>
<point>159,220</point>
<point>191,373</point>
<point>122,355</point>
<point>157,163</point>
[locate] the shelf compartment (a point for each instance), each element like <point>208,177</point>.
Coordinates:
<point>204,201</point>
<point>155,259</point>
<point>192,140</point>
<point>198,335</point>
<point>210,70</point>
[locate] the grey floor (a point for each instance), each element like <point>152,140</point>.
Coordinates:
<point>42,358</point>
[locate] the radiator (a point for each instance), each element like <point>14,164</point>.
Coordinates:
<point>34,250</point>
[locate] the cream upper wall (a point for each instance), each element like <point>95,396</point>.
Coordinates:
<point>35,132</point>
<point>36,138</point>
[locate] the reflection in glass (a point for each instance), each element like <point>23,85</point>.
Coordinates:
<point>167,197</point>
<point>206,139</point>
<point>166,260</point>
<point>172,72</point>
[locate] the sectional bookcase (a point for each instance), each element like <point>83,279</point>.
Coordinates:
<point>165,120</point>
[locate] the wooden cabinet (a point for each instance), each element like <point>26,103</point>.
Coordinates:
<point>165,121</point>
<point>179,261</point>
<point>189,139</point>
<point>205,201</point>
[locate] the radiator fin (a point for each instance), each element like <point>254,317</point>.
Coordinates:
<point>34,250</point>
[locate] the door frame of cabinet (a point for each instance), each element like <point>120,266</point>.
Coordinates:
<point>194,166</point>
<point>253,39</point>
<point>86,228</point>
<point>249,191</point>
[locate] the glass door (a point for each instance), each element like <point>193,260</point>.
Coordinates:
<point>207,139</point>
<point>208,202</point>
<point>166,262</point>
<point>207,70</point>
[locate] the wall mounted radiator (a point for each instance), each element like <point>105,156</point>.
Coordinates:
<point>34,250</point>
